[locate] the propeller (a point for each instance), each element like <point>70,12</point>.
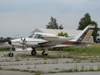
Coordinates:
<point>23,41</point>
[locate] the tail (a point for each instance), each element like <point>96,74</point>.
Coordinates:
<point>85,35</point>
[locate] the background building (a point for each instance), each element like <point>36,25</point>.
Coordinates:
<point>98,37</point>
<point>71,33</point>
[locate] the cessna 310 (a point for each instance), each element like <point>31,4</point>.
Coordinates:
<point>45,40</point>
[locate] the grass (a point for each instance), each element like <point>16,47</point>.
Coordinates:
<point>35,66</point>
<point>0,68</point>
<point>52,72</point>
<point>80,49</point>
<point>38,73</point>
<point>4,48</point>
<point>76,68</point>
<point>17,59</point>
<point>28,67</point>
<point>82,68</point>
<point>98,68</point>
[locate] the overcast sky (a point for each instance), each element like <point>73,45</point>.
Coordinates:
<point>20,17</point>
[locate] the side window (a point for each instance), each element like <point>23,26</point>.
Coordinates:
<point>98,39</point>
<point>39,36</point>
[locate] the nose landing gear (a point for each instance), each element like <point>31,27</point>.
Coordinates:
<point>11,54</point>
<point>33,52</point>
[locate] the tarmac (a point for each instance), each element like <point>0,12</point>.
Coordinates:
<point>49,66</point>
<point>2,72</point>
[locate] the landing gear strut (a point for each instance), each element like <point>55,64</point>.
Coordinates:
<point>33,52</point>
<point>11,54</point>
<point>45,52</point>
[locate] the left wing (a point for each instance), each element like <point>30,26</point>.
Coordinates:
<point>54,40</point>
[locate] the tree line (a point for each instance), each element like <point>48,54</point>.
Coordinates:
<point>84,21</point>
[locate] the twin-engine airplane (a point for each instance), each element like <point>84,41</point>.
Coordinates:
<point>45,40</point>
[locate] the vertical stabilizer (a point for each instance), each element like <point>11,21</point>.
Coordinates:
<point>85,35</point>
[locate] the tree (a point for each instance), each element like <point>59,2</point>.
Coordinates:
<point>1,38</point>
<point>63,34</point>
<point>53,24</point>
<point>86,20</point>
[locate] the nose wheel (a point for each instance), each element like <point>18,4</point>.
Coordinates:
<point>11,54</point>
<point>33,52</point>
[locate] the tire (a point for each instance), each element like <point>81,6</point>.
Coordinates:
<point>11,54</point>
<point>33,52</point>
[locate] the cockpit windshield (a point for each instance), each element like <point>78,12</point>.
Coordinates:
<point>38,36</point>
<point>31,36</point>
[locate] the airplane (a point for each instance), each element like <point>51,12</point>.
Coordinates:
<point>45,40</point>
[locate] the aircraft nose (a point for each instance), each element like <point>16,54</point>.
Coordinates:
<point>9,43</point>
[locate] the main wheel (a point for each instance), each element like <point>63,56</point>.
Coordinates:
<point>33,52</point>
<point>11,54</point>
<point>44,53</point>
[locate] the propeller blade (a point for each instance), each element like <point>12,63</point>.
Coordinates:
<point>23,43</point>
<point>24,40</point>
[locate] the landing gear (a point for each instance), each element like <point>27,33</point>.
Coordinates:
<point>45,52</point>
<point>33,52</point>
<point>11,54</point>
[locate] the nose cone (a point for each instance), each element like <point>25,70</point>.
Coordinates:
<point>9,42</point>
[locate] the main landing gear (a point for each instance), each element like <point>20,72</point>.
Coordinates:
<point>11,54</point>
<point>44,53</point>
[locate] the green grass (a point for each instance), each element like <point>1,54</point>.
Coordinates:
<point>4,48</point>
<point>0,68</point>
<point>38,73</point>
<point>80,49</point>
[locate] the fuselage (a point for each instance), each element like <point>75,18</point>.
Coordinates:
<point>38,40</point>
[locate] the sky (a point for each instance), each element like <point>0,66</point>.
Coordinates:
<point>18,18</point>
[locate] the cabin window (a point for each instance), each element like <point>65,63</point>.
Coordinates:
<point>38,36</point>
<point>97,34</point>
<point>98,39</point>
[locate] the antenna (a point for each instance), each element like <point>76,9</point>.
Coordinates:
<point>16,35</point>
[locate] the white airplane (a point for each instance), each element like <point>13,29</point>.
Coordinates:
<point>45,40</point>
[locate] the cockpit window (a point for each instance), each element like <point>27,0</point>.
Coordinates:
<point>31,36</point>
<point>39,36</point>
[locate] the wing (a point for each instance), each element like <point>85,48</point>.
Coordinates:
<point>54,40</point>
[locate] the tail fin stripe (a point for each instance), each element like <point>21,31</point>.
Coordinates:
<point>86,34</point>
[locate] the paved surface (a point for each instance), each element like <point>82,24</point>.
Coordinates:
<point>23,61</point>
<point>77,73</point>
<point>25,73</point>
<point>14,73</point>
